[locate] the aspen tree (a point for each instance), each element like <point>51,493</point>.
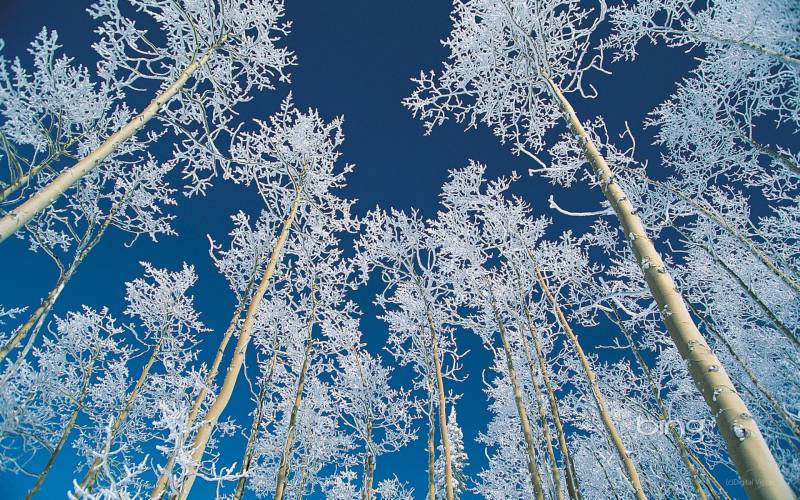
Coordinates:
<point>293,161</point>
<point>169,322</point>
<point>537,54</point>
<point>68,233</point>
<point>199,37</point>
<point>397,245</point>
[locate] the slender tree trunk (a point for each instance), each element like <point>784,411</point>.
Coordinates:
<point>602,466</point>
<point>437,365</point>
<point>235,366</point>
<point>757,468</point>
<point>431,444</point>
<point>369,463</point>
<point>613,434</point>
<point>754,249</point>
<point>27,210</point>
<point>370,456</point>
<point>283,468</point>
<point>569,468</point>
<point>542,416</point>
<point>87,378</point>
<point>33,324</point>
<point>166,472</point>
<point>677,440</point>
<point>776,405</point>
<point>94,468</point>
<point>533,466</point>
<point>251,440</point>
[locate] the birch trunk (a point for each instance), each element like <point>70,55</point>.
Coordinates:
<point>370,458</point>
<point>748,450</point>
<point>533,466</point>
<point>251,440</point>
<point>569,469</point>
<point>94,468</point>
<point>27,210</point>
<point>166,472</point>
<point>34,322</point>
<point>437,365</point>
<point>613,434</point>
<point>776,405</point>
<point>283,468</point>
<point>235,366</point>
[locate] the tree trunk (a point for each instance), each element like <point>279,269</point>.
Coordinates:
<point>569,468</point>
<point>283,468</point>
<point>533,466</point>
<point>27,210</point>
<point>754,462</point>
<point>34,322</point>
<point>251,440</point>
<point>431,445</point>
<point>776,405</point>
<point>94,468</point>
<point>437,365</point>
<point>370,456</point>
<point>221,401</point>
<point>166,472</point>
<point>613,434</point>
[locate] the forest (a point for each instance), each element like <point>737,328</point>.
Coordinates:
<point>502,249</point>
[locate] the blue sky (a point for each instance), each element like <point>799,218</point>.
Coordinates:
<point>355,59</point>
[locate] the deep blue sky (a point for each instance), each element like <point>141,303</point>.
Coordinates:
<point>355,59</point>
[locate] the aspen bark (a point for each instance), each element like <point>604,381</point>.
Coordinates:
<point>569,469</point>
<point>370,458</point>
<point>251,440</point>
<point>27,210</point>
<point>431,445</point>
<point>748,450</point>
<point>283,468</point>
<point>776,405</point>
<point>533,466</point>
<point>613,434</point>
<point>25,178</point>
<point>235,366</point>
<point>166,472</point>
<point>94,468</point>
<point>437,365</point>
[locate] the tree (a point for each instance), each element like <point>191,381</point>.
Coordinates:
<point>418,304</point>
<point>378,414</point>
<point>292,162</point>
<point>510,66</point>
<point>212,55</point>
<point>124,414</point>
